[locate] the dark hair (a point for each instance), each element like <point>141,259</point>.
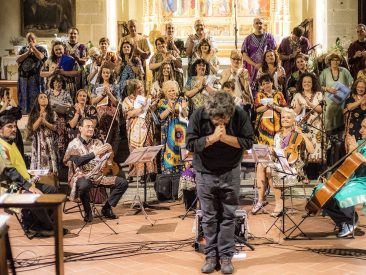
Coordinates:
<point>229,84</point>
<point>160,39</point>
<point>3,91</point>
<point>104,39</point>
<point>160,76</point>
<point>266,78</point>
<point>73,28</point>
<point>121,51</point>
<point>111,78</point>
<point>265,64</point>
<point>58,78</point>
<point>315,83</point>
<point>298,31</point>
<point>6,119</point>
<point>204,41</point>
<point>53,55</point>
<point>34,113</point>
<point>87,96</point>
<point>354,85</point>
<point>200,61</point>
<point>220,104</point>
<point>81,121</point>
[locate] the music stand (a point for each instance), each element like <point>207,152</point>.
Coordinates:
<point>258,154</point>
<point>143,155</point>
<point>286,171</point>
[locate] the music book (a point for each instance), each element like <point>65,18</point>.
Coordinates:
<point>67,63</point>
<point>143,154</point>
<point>342,93</point>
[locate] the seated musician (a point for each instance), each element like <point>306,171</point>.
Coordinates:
<point>85,169</point>
<point>341,208</point>
<point>268,174</point>
<point>35,221</point>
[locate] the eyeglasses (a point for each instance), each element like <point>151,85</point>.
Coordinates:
<point>236,59</point>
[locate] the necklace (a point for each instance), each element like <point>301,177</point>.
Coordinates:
<point>333,77</point>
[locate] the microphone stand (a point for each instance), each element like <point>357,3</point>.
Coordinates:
<point>235,25</point>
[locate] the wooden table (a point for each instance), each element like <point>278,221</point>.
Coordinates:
<point>53,201</point>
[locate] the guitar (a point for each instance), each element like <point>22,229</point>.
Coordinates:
<point>336,181</point>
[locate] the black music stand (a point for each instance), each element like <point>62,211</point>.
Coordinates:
<point>286,171</point>
<point>143,155</point>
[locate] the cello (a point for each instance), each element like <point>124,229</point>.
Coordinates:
<point>337,180</point>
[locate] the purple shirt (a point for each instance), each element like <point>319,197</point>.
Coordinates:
<point>255,47</point>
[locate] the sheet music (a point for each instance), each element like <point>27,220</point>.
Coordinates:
<point>283,161</point>
<point>261,153</point>
<point>268,113</point>
<point>139,102</point>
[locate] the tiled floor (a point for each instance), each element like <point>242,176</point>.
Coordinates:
<point>97,251</point>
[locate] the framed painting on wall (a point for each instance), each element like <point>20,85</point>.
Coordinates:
<point>47,17</point>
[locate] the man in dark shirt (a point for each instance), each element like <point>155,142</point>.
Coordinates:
<point>357,51</point>
<point>83,157</point>
<point>217,135</point>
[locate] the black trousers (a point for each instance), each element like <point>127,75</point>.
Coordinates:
<point>39,219</point>
<point>219,198</point>
<point>340,215</point>
<point>84,185</point>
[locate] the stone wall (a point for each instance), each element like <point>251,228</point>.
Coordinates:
<point>342,18</point>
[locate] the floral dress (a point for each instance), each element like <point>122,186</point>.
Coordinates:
<point>173,137</point>
<point>105,116</point>
<point>140,133</point>
<point>43,154</point>
<point>313,133</point>
<point>62,136</point>
<point>354,118</point>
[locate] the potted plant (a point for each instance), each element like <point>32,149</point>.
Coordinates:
<point>17,42</point>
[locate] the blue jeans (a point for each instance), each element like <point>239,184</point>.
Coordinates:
<point>219,198</point>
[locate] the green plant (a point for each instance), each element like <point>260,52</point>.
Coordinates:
<point>16,40</point>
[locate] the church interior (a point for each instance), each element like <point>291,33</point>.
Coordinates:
<point>148,233</point>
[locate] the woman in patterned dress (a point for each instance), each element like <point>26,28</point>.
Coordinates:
<point>41,127</point>
<point>271,65</point>
<point>129,67</point>
<point>104,96</point>
<point>204,51</point>
<point>52,67</point>
<point>81,108</point>
<point>268,121</point>
<point>58,96</point>
<point>164,56</point>
<point>309,98</point>
<point>139,125</point>
<point>355,110</point>
<point>173,129</point>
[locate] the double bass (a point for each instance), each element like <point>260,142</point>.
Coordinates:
<point>337,180</point>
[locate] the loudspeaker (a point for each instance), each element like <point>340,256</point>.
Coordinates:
<point>241,229</point>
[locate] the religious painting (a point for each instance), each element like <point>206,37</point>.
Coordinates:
<point>47,17</point>
<point>253,7</point>
<point>215,8</point>
<point>182,8</point>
